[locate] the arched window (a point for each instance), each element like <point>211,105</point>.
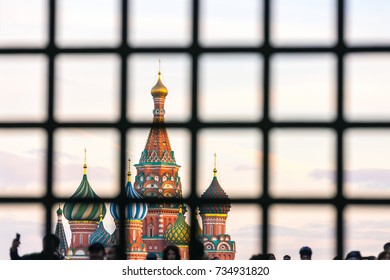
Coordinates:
<point>150,230</point>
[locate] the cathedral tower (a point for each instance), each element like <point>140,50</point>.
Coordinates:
<point>134,214</point>
<point>158,176</point>
<point>216,242</point>
<point>83,217</point>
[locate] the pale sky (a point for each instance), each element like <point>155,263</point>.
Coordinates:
<point>302,87</point>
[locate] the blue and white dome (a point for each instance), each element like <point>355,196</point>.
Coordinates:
<point>133,211</point>
<point>100,235</point>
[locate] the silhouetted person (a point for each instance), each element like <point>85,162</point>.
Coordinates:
<point>271,257</point>
<point>305,252</point>
<point>258,257</point>
<point>197,251</point>
<point>263,257</point>
<point>171,252</point>
<point>151,256</point>
<point>286,257</point>
<point>354,255</point>
<point>386,247</point>
<point>385,255</point>
<point>115,252</point>
<point>50,244</point>
<point>96,251</point>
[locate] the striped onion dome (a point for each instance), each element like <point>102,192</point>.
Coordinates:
<point>179,233</point>
<point>100,235</point>
<point>76,211</point>
<point>215,191</point>
<point>133,211</point>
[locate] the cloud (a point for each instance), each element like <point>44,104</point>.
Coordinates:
<point>72,172</point>
<point>21,172</point>
<point>309,231</point>
<point>41,153</point>
<point>18,171</point>
<point>248,232</point>
<point>246,167</point>
<point>365,177</point>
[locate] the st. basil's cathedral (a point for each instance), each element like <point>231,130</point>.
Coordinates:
<point>148,227</point>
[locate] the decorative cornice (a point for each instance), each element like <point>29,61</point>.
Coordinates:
<point>84,222</point>
<point>214,215</point>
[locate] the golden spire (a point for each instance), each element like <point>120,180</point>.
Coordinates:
<point>85,161</point>
<point>215,165</point>
<point>101,212</point>
<point>129,172</point>
<point>181,209</point>
<point>159,90</point>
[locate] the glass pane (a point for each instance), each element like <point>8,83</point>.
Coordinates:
<point>367,22</point>
<point>367,229</point>
<point>25,219</point>
<point>231,22</point>
<point>102,147</point>
<point>23,23</point>
<point>293,227</point>
<point>88,22</point>
<point>230,87</point>
<point>23,162</point>
<point>303,87</point>
<point>238,161</point>
<point>156,22</point>
<point>303,22</point>
<point>23,87</point>
<point>179,140</point>
<point>302,163</point>
<point>243,226</point>
<point>175,75</point>
<point>367,168</point>
<point>87,88</point>
<point>367,87</point>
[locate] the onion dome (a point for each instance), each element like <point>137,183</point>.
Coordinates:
<point>59,211</point>
<point>159,90</point>
<point>179,233</point>
<point>79,211</point>
<point>100,235</point>
<point>133,211</point>
<point>215,191</point>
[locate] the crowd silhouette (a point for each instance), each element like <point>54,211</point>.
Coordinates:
<point>98,251</point>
